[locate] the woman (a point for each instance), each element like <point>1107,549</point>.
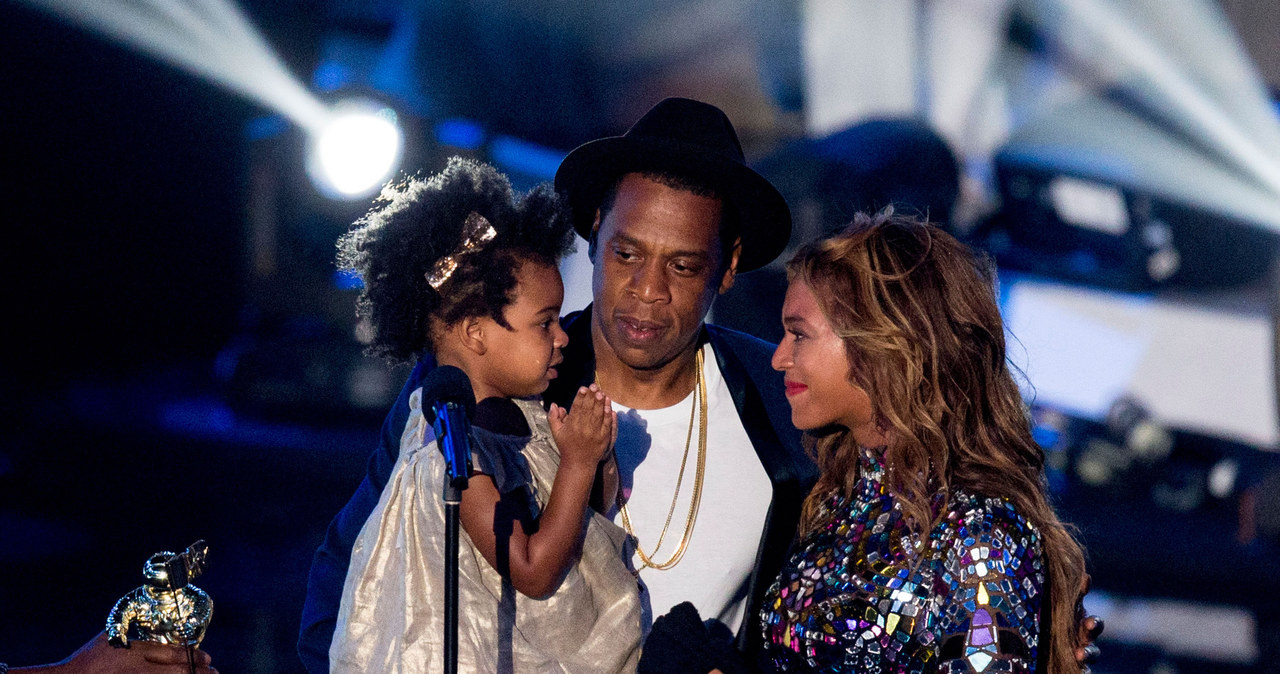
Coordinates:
<point>928,543</point>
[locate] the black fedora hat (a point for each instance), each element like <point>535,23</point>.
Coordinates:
<point>690,139</point>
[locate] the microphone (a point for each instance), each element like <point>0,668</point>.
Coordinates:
<point>452,401</point>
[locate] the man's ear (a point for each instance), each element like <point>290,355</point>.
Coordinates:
<point>593,237</point>
<point>470,333</point>
<point>731,269</point>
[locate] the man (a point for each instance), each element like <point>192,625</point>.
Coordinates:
<point>671,213</point>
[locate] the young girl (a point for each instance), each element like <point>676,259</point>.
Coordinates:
<point>457,268</point>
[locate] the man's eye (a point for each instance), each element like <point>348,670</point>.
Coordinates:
<point>687,269</point>
<point>624,254</point>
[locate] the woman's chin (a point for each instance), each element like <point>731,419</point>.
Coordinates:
<point>808,423</point>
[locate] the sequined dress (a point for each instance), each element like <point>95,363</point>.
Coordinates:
<point>850,600</point>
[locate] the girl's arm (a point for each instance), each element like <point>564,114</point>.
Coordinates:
<point>535,554</point>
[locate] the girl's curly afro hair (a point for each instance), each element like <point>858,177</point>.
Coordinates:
<point>416,222</point>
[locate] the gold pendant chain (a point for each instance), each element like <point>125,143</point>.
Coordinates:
<point>700,405</point>
<point>684,462</point>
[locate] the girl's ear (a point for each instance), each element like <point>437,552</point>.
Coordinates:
<point>470,332</point>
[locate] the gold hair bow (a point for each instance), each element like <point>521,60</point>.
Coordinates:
<point>475,232</point>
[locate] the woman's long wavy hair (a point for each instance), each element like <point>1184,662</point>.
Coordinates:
<point>922,331</point>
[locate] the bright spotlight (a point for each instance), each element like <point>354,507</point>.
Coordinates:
<point>356,151</point>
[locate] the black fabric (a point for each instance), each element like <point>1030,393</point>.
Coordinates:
<point>502,416</point>
<point>681,642</point>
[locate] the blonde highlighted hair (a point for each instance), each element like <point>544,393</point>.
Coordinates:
<point>918,315</point>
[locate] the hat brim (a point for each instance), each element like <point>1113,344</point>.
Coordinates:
<point>592,168</point>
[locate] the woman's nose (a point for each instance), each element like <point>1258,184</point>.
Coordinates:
<point>781,356</point>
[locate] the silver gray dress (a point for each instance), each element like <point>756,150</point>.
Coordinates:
<point>392,614</point>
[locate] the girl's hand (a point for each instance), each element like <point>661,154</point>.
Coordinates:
<point>586,433</point>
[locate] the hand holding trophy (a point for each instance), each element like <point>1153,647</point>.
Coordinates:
<point>167,608</point>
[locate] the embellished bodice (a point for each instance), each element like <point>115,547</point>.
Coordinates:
<point>861,593</point>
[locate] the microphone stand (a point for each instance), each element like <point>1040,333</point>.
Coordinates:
<point>451,428</point>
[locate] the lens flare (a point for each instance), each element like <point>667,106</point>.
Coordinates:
<point>355,151</point>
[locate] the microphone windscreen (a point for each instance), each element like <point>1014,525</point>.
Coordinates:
<point>448,384</point>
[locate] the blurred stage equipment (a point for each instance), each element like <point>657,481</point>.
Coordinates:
<point>1141,436</point>
<point>1129,441</point>
<point>167,608</point>
<point>1131,456</point>
<point>1180,65</point>
<point>893,161</point>
<point>1135,144</point>
<point>1147,211</point>
<point>1159,161</point>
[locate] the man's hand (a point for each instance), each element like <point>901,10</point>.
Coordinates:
<point>142,657</point>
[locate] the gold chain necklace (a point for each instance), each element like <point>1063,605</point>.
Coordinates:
<point>699,404</point>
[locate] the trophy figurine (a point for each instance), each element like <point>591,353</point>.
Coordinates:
<point>167,608</point>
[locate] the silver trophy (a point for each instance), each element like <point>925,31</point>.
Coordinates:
<point>167,609</point>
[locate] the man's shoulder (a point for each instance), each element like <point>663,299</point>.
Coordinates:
<point>572,318</point>
<point>739,342</point>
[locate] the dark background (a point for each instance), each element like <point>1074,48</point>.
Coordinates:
<point>123,211</point>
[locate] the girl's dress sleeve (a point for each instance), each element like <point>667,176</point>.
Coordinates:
<point>499,457</point>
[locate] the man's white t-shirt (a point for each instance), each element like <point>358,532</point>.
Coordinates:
<point>715,572</point>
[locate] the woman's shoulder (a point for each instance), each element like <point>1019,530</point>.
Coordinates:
<point>986,532</point>
<point>977,510</point>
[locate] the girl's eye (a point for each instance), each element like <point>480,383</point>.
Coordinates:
<point>795,336</point>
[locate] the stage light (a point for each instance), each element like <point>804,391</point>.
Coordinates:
<point>354,146</point>
<point>355,151</point>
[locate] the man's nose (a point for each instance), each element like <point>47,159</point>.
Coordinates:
<point>650,282</point>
